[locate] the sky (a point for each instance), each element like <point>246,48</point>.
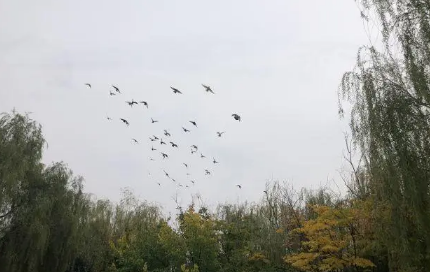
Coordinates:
<point>277,64</point>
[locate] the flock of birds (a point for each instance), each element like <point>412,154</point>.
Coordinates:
<point>159,139</point>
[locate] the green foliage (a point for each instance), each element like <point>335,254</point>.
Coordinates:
<point>195,268</point>
<point>390,95</point>
<point>201,240</point>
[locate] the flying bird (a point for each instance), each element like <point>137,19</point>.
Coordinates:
<point>214,161</point>
<point>151,159</point>
<point>158,184</point>
<point>109,118</point>
<point>116,89</point>
<point>175,90</point>
<point>236,117</point>
<point>202,156</point>
<point>207,172</point>
<point>153,149</point>
<point>265,191</point>
<point>194,123</point>
<point>192,181</point>
<point>220,133</point>
<point>239,186</point>
<point>88,84</point>
<point>164,155</point>
<point>144,103</point>
<point>125,121</point>
<point>152,140</point>
<point>111,93</point>
<point>167,174</point>
<point>208,89</point>
<point>188,174</point>
<point>134,140</point>
<point>173,144</point>
<point>131,103</point>
<point>155,137</point>
<point>186,165</point>
<point>185,130</point>
<point>167,133</point>
<point>153,121</point>
<point>195,147</point>
<point>161,142</point>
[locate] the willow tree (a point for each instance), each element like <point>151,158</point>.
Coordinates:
<point>40,207</point>
<point>390,97</point>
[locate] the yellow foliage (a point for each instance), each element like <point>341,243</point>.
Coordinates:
<point>259,257</point>
<point>280,230</point>
<point>329,244</point>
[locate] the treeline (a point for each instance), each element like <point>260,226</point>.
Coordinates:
<point>47,222</point>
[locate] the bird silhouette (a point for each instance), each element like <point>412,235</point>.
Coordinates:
<point>158,184</point>
<point>125,121</point>
<point>214,161</point>
<point>195,147</point>
<point>192,181</point>
<point>88,84</point>
<point>185,130</point>
<point>167,133</point>
<point>220,133</point>
<point>236,117</point>
<point>152,140</point>
<point>109,118</point>
<point>208,89</point>
<point>131,103</point>
<point>202,156</point>
<point>173,144</point>
<point>207,172</point>
<point>161,142</point>
<point>188,174</point>
<point>111,93</point>
<point>194,123</point>
<point>151,159</point>
<point>134,140</point>
<point>153,121</point>
<point>175,90</point>
<point>116,89</point>
<point>167,174</point>
<point>240,186</point>
<point>153,149</point>
<point>186,165</point>
<point>180,185</point>
<point>193,151</point>
<point>187,186</point>
<point>144,103</point>
<point>265,191</point>
<point>155,137</point>
<point>164,155</point>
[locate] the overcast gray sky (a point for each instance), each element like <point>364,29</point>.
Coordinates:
<point>276,63</point>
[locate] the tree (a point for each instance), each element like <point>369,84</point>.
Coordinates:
<point>21,144</point>
<point>201,239</point>
<point>390,95</point>
<point>331,241</point>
